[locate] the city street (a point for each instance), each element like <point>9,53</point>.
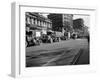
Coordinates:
<point>69,52</point>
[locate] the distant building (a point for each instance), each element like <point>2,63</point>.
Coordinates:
<point>61,22</point>
<point>37,23</point>
<point>80,27</point>
<point>78,23</point>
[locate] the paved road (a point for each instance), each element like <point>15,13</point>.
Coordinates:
<point>59,53</point>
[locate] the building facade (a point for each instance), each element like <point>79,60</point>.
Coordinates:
<point>61,23</point>
<point>68,21</point>
<point>80,27</point>
<point>37,23</point>
<point>78,23</point>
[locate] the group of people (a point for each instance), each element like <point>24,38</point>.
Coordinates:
<point>44,38</point>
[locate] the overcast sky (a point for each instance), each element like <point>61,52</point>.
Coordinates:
<point>44,14</point>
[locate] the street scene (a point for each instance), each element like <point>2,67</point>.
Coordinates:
<point>56,39</point>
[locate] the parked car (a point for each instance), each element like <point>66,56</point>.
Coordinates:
<point>44,38</point>
<point>74,36</point>
<point>29,42</point>
<point>63,38</point>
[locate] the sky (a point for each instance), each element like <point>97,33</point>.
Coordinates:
<point>44,14</point>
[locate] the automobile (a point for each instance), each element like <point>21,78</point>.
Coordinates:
<point>44,38</point>
<point>54,38</point>
<point>74,36</point>
<point>63,38</point>
<point>30,43</point>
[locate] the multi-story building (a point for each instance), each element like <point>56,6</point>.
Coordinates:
<point>80,27</point>
<point>61,23</point>
<point>37,23</point>
<point>68,21</point>
<point>78,23</point>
